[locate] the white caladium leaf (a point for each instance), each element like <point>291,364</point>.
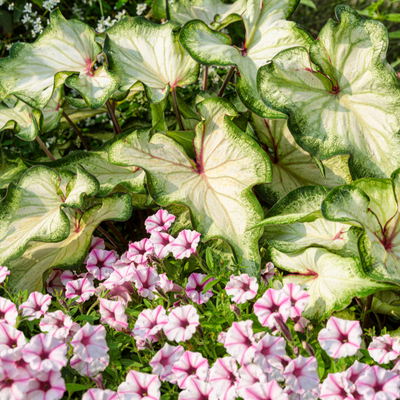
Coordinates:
<point>267,33</point>
<point>372,204</point>
<point>53,111</point>
<point>22,119</point>
<point>331,280</point>
<point>32,210</point>
<point>295,223</point>
<point>11,168</point>
<point>217,187</point>
<point>293,167</point>
<point>27,271</point>
<point>213,12</point>
<point>107,174</point>
<point>65,52</point>
<point>342,96</point>
<point>142,52</point>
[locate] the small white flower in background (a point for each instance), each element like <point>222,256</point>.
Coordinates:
<point>27,8</point>
<point>26,19</point>
<point>11,6</point>
<point>141,8</point>
<point>2,2</point>
<point>50,4</point>
<point>78,12</point>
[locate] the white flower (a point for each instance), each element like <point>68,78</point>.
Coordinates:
<point>140,8</point>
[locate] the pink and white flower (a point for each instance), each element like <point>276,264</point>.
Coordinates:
<point>95,243</point>
<point>82,288</point>
<point>164,360</point>
<point>384,349</point>
<point>120,276</point>
<point>90,369</point>
<point>13,384</point>
<point>138,386</point>
<point>377,383</point>
<point>337,387</point>
<point>167,285</point>
<point>45,353</point>
<point>146,279</point>
<point>224,378</point>
<point>100,394</point>
<point>265,391</point>
<point>267,273</point>
<point>124,261</point>
<point>89,343</point>
<point>59,325</point>
<point>113,314</point>
<point>198,390</point>
<point>8,312</point>
<point>36,306</point>
<point>4,272</point>
<point>10,338</point>
<point>249,375</point>
<point>190,366</point>
<point>185,244</point>
<point>160,221</point>
<point>182,323</point>
<point>298,299</point>
<point>300,324</point>
<point>301,374</point>
<point>68,276</point>
<point>242,288</point>
<point>221,337</point>
<point>240,343</point>
<point>139,251</point>
<point>195,287</point>
<point>161,241</point>
<point>272,303</point>
<point>46,386</point>
<point>340,338</point>
<point>11,359</point>
<point>356,370</point>
<point>268,347</point>
<point>53,282</point>
<point>150,322</point>
<point>100,263</point>
<point>122,293</point>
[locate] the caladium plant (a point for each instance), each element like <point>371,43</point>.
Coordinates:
<point>267,33</point>
<point>216,187</point>
<point>65,52</point>
<point>340,94</point>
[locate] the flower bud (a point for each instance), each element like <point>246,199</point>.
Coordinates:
<point>308,348</point>
<point>234,308</point>
<point>284,328</point>
<point>161,292</point>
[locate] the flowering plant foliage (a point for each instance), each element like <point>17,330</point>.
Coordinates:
<point>233,231</point>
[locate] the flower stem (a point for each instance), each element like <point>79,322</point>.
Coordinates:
<point>77,131</point>
<point>368,305</point>
<point>167,16</point>
<point>116,125</point>
<point>44,148</point>
<point>105,233</point>
<point>92,306</point>
<point>176,109</point>
<point>226,81</point>
<point>117,233</point>
<point>205,77</point>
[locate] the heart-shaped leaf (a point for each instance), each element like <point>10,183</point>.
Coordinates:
<point>331,280</point>
<point>342,96</point>
<point>11,168</point>
<point>267,33</point>
<point>27,271</point>
<point>143,52</point>
<point>34,70</point>
<point>217,187</point>
<point>213,12</point>
<point>372,204</point>
<point>32,209</point>
<point>295,223</point>
<point>293,167</point>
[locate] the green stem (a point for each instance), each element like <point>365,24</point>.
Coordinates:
<point>176,109</point>
<point>226,81</point>
<point>77,131</point>
<point>93,305</point>
<point>167,16</point>
<point>44,148</point>
<point>101,8</point>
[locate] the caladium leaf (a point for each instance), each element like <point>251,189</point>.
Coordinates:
<point>345,100</point>
<point>65,48</point>
<point>142,52</point>
<point>53,110</point>
<point>295,223</point>
<point>11,168</point>
<point>213,12</point>
<point>267,33</point>
<point>331,280</point>
<point>386,303</point>
<point>97,164</point>
<point>217,187</point>
<point>27,271</point>
<point>293,167</point>
<point>22,119</point>
<point>32,210</point>
<point>372,204</point>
